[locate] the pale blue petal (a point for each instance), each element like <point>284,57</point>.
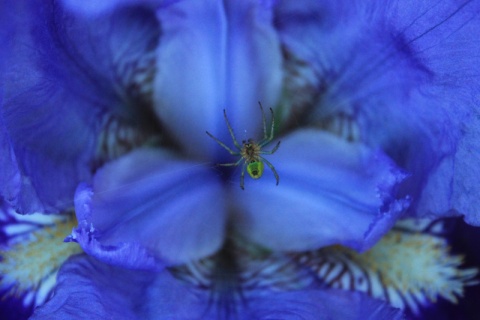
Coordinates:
<point>175,210</point>
<point>330,192</point>
<point>216,55</point>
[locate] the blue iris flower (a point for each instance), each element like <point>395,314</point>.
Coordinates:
<point>105,110</point>
<point>166,203</point>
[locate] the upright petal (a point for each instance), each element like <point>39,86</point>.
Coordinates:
<point>66,77</point>
<point>148,200</point>
<point>217,55</point>
<point>330,192</point>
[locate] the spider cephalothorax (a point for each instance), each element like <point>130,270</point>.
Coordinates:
<point>251,152</point>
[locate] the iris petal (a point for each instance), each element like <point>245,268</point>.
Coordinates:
<point>173,209</point>
<point>66,76</point>
<point>88,289</point>
<point>9,176</point>
<point>322,305</point>
<point>217,55</point>
<point>409,75</point>
<point>93,7</point>
<point>324,182</point>
<point>441,145</point>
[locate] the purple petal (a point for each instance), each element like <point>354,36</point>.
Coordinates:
<point>323,304</point>
<point>330,192</point>
<point>409,75</point>
<point>441,146</point>
<point>215,55</point>
<point>170,300</point>
<point>87,289</point>
<point>94,7</point>
<point>147,199</point>
<point>66,76</point>
<point>9,176</point>
<point>463,173</point>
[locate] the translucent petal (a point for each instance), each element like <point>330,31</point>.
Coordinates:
<point>216,55</point>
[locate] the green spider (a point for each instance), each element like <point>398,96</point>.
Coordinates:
<point>251,152</point>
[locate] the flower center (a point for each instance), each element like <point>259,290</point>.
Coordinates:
<point>31,261</point>
<point>407,267</point>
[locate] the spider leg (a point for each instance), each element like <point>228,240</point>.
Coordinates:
<point>264,142</point>
<point>233,164</point>
<point>273,150</point>
<point>235,153</point>
<point>264,122</point>
<point>267,139</point>
<point>231,130</point>
<point>273,125</point>
<point>272,168</point>
<point>242,176</point>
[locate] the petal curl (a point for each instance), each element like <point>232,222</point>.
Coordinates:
<point>66,75</point>
<point>215,55</point>
<point>172,209</point>
<point>408,74</point>
<point>330,192</point>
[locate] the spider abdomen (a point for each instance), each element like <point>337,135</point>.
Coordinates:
<point>255,169</point>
